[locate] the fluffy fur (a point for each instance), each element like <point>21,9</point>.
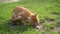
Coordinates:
<point>23,14</point>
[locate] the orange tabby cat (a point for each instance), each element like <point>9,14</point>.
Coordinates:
<point>24,15</point>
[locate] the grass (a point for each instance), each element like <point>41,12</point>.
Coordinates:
<point>49,9</point>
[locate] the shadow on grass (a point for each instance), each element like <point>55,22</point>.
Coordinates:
<point>9,27</point>
<point>56,13</point>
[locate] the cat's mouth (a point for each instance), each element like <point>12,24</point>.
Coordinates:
<point>37,27</point>
<point>40,27</point>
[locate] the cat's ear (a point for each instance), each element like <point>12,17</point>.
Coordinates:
<point>36,14</point>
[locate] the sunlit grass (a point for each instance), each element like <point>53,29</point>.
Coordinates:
<point>49,9</point>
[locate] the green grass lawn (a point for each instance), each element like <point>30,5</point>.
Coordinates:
<point>48,11</point>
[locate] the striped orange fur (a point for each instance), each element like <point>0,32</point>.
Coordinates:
<point>24,14</point>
